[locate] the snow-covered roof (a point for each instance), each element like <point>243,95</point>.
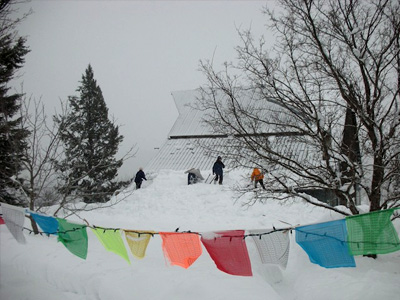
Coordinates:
<point>190,139</point>
<point>184,154</point>
<point>181,151</point>
<point>189,120</point>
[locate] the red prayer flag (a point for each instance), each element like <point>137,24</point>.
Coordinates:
<point>229,252</point>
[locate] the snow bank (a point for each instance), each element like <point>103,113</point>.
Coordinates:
<point>44,269</point>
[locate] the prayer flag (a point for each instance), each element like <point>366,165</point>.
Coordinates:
<point>273,247</point>
<point>138,242</point>
<point>14,218</point>
<point>48,224</point>
<point>228,251</point>
<point>326,244</point>
<point>74,237</point>
<point>181,249</point>
<point>372,233</point>
<point>112,241</point>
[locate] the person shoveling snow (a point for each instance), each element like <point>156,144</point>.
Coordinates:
<point>194,175</point>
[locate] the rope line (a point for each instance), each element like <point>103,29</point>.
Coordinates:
<point>225,236</point>
<point>153,233</point>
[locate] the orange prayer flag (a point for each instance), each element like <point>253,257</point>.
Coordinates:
<point>181,249</point>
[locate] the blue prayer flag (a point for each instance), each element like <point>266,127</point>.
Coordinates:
<point>48,224</point>
<point>326,244</point>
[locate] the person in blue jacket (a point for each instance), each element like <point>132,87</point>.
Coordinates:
<point>139,178</point>
<point>218,170</point>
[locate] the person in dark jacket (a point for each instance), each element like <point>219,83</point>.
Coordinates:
<point>139,178</point>
<point>218,170</point>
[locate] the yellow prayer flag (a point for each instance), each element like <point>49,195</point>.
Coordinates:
<point>138,242</point>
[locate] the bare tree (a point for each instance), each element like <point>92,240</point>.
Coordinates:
<point>10,16</point>
<point>40,180</point>
<point>332,59</point>
<point>37,180</point>
<point>40,155</point>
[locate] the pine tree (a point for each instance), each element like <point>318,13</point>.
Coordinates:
<point>91,142</point>
<point>12,136</point>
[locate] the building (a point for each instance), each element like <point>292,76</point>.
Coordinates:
<point>192,143</point>
<point>182,150</point>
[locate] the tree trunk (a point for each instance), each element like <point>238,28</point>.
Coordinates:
<point>351,149</point>
<point>32,207</point>
<point>34,226</point>
<point>377,178</point>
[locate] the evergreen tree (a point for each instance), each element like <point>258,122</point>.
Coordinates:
<point>91,142</point>
<point>12,136</point>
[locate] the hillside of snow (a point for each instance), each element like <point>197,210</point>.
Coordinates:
<point>44,269</point>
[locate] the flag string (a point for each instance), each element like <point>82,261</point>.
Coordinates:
<point>329,244</point>
<point>344,241</point>
<point>198,233</point>
<point>152,233</point>
<point>260,234</point>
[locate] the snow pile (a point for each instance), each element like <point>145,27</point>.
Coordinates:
<point>44,269</point>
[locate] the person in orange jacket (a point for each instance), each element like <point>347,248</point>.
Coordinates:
<point>258,177</point>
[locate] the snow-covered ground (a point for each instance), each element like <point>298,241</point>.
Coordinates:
<point>44,269</point>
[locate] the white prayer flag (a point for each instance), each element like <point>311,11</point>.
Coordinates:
<point>14,218</point>
<point>272,247</point>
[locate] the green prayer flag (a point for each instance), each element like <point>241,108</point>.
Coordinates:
<point>372,233</point>
<point>112,241</point>
<point>74,237</point>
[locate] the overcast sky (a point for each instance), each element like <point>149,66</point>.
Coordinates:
<point>140,52</point>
